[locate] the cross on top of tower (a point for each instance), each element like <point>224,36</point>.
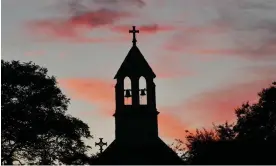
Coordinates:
<point>134,31</point>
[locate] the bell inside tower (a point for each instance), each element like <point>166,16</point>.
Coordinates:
<point>127,91</point>
<point>142,91</point>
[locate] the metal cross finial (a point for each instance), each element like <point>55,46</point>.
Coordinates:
<point>101,144</point>
<point>134,31</point>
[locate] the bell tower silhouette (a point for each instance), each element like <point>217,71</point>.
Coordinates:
<point>136,123</point>
<point>137,120</point>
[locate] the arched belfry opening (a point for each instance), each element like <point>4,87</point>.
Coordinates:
<point>127,91</point>
<point>143,91</point>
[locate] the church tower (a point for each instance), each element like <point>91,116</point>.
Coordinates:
<point>136,113</point>
<point>136,117</point>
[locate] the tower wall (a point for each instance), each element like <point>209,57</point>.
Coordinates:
<point>136,124</point>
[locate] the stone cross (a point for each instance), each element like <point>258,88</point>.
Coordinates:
<point>134,31</point>
<point>101,144</point>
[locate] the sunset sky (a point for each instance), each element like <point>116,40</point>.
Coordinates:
<point>209,56</point>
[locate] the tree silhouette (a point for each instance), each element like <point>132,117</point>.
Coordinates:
<point>225,132</point>
<point>258,121</point>
<point>251,140</point>
<point>35,128</point>
<point>195,143</point>
<point>179,147</point>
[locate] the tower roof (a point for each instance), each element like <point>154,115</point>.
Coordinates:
<point>135,65</point>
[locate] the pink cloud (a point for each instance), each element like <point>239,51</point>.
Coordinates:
<point>172,126</point>
<point>170,67</point>
<point>149,28</point>
<point>218,105</point>
<point>190,38</point>
<point>139,3</point>
<point>75,28</point>
<point>95,91</point>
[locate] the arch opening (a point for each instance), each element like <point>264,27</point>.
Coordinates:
<point>143,94</point>
<point>127,91</point>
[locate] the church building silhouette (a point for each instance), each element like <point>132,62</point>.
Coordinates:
<point>136,124</point>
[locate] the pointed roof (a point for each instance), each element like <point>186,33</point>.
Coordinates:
<point>135,65</point>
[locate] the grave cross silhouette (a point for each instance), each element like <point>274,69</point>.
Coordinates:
<point>101,144</point>
<point>134,31</point>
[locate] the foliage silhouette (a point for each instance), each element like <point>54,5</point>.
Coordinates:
<point>258,121</point>
<point>35,128</point>
<point>251,140</point>
<point>179,147</point>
